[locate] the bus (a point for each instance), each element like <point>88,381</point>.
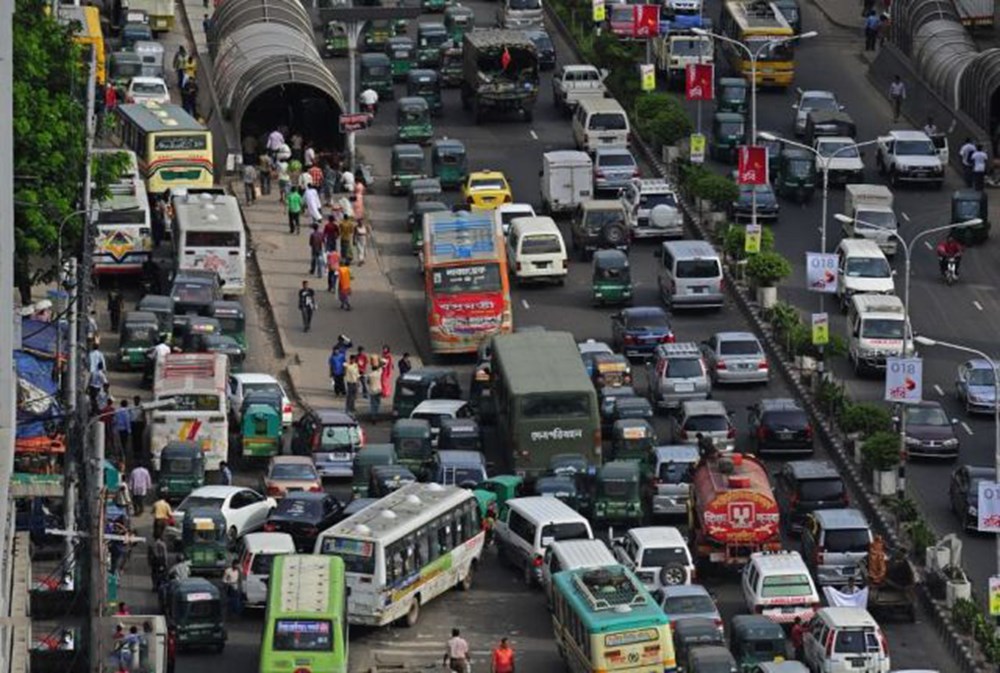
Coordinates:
<point>754,23</point>
<point>88,35</point>
<point>173,148</point>
<point>465,280</point>
<point>545,403</point>
<point>304,626</point>
<point>406,549</point>
<point>209,234</point>
<point>605,620</point>
<point>196,383</point>
<point>123,240</point>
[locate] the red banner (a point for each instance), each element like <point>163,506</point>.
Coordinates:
<point>751,167</point>
<point>700,81</point>
<point>647,21</point>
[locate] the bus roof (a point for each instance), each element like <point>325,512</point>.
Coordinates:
<point>306,584</point>
<point>608,598</point>
<point>208,212</point>
<point>179,373</point>
<point>152,117</point>
<point>540,362</point>
<point>460,237</point>
<point>759,16</point>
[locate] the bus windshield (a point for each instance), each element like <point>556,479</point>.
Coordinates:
<point>194,402</point>
<point>358,555</point>
<point>555,405</point>
<point>775,52</point>
<point>303,635</point>
<point>212,239</point>
<point>460,279</point>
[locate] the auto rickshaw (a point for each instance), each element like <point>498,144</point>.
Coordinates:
<point>968,204</point>
<point>449,162</point>
<point>692,632</point>
<point>732,94</point>
<point>795,177</point>
<point>233,319</point>
<point>460,434</point>
<point>458,20</point>
<point>384,479</point>
<point>411,437</point>
<point>193,608</point>
<point>430,37</point>
<point>563,487</point>
<point>260,427</point>
<point>376,74</point>
<point>182,470</point>
<point>203,538</point>
<point>407,164</point>
<point>139,331</point>
<point>335,41</point>
<point>370,456</point>
<point>632,439</point>
<point>426,84</point>
<point>188,327</point>
<point>162,307</point>
<point>755,639</point>
<point>417,232</point>
<point>225,345</point>
<point>433,5</point>
<point>424,189</point>
<point>728,133</point>
<point>376,33</point>
<point>612,278</point>
<point>503,487</point>
<point>452,66</point>
<point>400,51</point>
<point>611,369</point>
<point>615,494</point>
<point>413,120</point>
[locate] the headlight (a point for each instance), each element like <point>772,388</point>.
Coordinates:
<point>950,443</point>
<point>912,441</point>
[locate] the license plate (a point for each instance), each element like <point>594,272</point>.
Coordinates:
<point>340,456</point>
<point>698,290</point>
<point>789,609</point>
<point>785,435</point>
<point>607,140</point>
<point>542,265</point>
<point>858,662</point>
<point>747,365</point>
<point>684,387</point>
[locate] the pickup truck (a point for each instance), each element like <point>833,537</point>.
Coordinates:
<point>573,82</point>
<point>674,51</point>
<point>909,156</point>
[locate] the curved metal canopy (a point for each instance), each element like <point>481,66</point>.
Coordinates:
<point>979,88</point>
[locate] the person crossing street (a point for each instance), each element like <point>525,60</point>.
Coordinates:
<point>307,305</point>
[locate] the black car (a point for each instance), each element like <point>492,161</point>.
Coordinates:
<point>767,203</point>
<point>804,486</point>
<point>224,344</point>
<point>779,426</point>
<point>608,397</point>
<point>387,478</point>
<point>545,47</point>
<point>930,433</point>
<point>193,291</point>
<point>963,493</point>
<point>303,515</point>
<point>567,464</point>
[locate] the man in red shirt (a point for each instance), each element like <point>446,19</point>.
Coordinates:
<point>797,634</point>
<point>503,658</point>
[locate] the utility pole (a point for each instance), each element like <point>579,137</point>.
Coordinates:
<point>70,476</point>
<point>97,584</point>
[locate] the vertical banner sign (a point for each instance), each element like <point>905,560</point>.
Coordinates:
<point>598,11</point>
<point>646,23</point>
<point>820,329</point>
<point>699,79</point>
<point>904,380</point>
<point>647,73</point>
<point>751,166</point>
<point>988,518</point>
<point>995,596</point>
<point>821,272</point>
<point>697,148</point>
<point>751,240</point>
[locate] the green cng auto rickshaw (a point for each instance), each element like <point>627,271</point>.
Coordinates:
<point>413,120</point>
<point>632,439</point>
<point>755,639</point>
<point>407,164</point>
<point>139,331</point>
<point>162,307</point>
<point>795,177</point>
<point>193,608</point>
<point>417,231</point>
<point>728,133</point>
<point>433,5</point>
<point>502,487</point>
<point>616,494</point>
<point>376,74</point>
<point>612,278</point>
<point>458,20</point>
<point>182,469</point>
<point>335,39</point>
<point>400,51</point>
<point>368,457</point>
<point>693,632</point>
<point>449,162</point>
<point>732,94</point>
<point>430,37</point>
<point>968,204</point>
<point>232,318</point>
<point>426,84</point>
<point>452,67</point>
<point>203,538</point>
<point>459,434</point>
<point>376,33</point>
<point>423,189</point>
<point>411,438</point>
<point>261,423</point>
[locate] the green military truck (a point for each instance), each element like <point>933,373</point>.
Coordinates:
<point>500,73</point>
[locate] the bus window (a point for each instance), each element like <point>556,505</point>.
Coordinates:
<point>555,406</point>
<point>213,239</point>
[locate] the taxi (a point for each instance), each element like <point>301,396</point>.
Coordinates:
<point>485,190</point>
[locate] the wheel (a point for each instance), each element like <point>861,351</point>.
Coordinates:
<point>614,234</point>
<point>466,582</point>
<point>673,575</point>
<point>413,614</point>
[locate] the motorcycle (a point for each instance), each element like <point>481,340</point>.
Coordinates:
<point>950,270</point>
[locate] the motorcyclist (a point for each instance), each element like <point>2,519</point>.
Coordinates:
<point>369,101</point>
<point>947,249</point>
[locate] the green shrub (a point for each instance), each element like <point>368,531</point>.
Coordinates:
<point>832,397</point>
<point>866,418</point>
<point>734,242</point>
<point>767,268</point>
<point>667,127</point>
<point>718,189</point>
<point>921,536</point>
<point>963,614</point>
<point>880,452</point>
<point>651,103</point>
<point>903,507</point>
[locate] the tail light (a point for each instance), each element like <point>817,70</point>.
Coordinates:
<point>722,285</point>
<point>718,623</point>
<point>762,364</point>
<point>518,267</point>
<point>636,173</point>
<point>762,433</point>
<point>270,527</point>
<point>362,437</point>
<point>597,441</point>
<point>829,643</point>
<point>315,488</point>
<point>629,339</point>
<point>311,530</point>
<point>809,431</point>
<point>287,409</point>
<point>885,643</point>
<point>598,173</point>
<point>720,365</point>
<point>668,339</point>
<point>468,200</point>
<point>248,560</point>
<point>507,198</point>
<point>315,441</point>
<point>537,561</point>
<point>274,490</point>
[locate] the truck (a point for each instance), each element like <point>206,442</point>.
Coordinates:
<point>159,12</point>
<point>500,73</point>
<point>876,330</point>
<point>909,156</point>
<point>870,210</point>
<point>733,511</point>
<point>567,180</point>
<point>674,51</point>
<point>572,82</point>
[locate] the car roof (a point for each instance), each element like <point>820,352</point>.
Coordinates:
<point>219,491</point>
<point>852,616</point>
<point>486,174</point>
<point>818,93</point>
<point>252,377</point>
<point>439,406</point>
<point>334,417</point>
<point>925,404</point>
<point>676,453</point>
<point>703,407</point>
<point>460,456</point>
<point>148,80</point>
<point>655,536</point>
<point>736,336</point>
<point>781,560</point>
<point>269,542</point>
<point>593,346</point>
<point>612,150</point>
<point>291,460</point>
<point>676,590</point>
<point>908,134</point>
<point>840,518</point>
<point>643,310</point>
<point>812,469</point>
<point>779,404</point>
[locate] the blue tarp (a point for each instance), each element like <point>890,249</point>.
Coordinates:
<point>39,338</point>
<point>684,22</point>
<point>38,409</point>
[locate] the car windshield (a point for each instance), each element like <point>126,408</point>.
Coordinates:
<point>541,244</point>
<point>847,540</point>
<point>300,508</point>
<point>675,473</point>
<point>739,347</point>
<point>193,502</point>
<point>731,129</point>
<point>877,219</point>
<point>524,4</point>
<point>698,268</point>
<point>799,168</point>
<point>178,466</point>
<point>487,184</point>
<point>597,219</point>
<point>607,121</point>
<point>303,635</point>
<point>510,213</point>
<point>471,278</point>
<point>928,416</point>
<point>566,531</point>
<point>698,604</point>
<point>555,405</point>
<point>827,149</point>
<point>915,148</point>
<point>615,160</point>
<point>192,293</point>
<point>773,52</point>
<point>856,641</point>
<point>340,437</point>
<point>786,586</point>
<point>542,42</point>
<point>882,328</point>
<point>664,556</point>
<point>981,377</point>
<point>868,267</point>
<point>652,200</point>
<point>622,13</point>
<point>293,471</point>
<point>148,88</point>
<point>821,489</point>
<point>706,424</point>
<point>684,368</point>
<point>646,321</point>
<point>789,420</point>
<point>819,103</point>
<point>620,488</point>
<point>555,486</point>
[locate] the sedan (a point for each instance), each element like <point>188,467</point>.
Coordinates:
<point>147,90</point>
<point>688,601</point>
<point>963,493</point>
<point>304,515</point>
<point>767,203</point>
<point>810,101</point>
<point>545,47</point>
<point>290,474</point>
<point>929,431</point>
<point>244,509</point>
<point>779,426</point>
<point>639,330</point>
<point>485,190</point>
<point>614,169</point>
<point>975,386</point>
<point>736,357</point>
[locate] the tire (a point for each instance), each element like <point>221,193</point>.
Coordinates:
<point>413,614</point>
<point>614,235</point>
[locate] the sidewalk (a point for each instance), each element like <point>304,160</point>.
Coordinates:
<point>844,13</point>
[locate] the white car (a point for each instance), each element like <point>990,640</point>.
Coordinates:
<point>241,384</point>
<point>147,90</point>
<point>503,214</point>
<point>244,509</point>
<point>811,101</point>
<point>846,164</point>
<point>657,555</point>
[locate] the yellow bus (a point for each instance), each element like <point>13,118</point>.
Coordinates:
<point>88,35</point>
<point>754,23</point>
<point>174,149</point>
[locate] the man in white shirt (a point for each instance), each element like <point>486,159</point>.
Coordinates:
<point>965,152</point>
<point>369,100</point>
<point>314,205</point>
<point>456,656</point>
<point>897,94</point>
<point>95,360</point>
<point>274,142</point>
<point>979,159</point>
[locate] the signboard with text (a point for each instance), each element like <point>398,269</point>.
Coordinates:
<point>699,80</point>
<point>647,75</point>
<point>988,511</point>
<point>903,380</point>
<point>697,148</point>
<point>751,165</point>
<point>821,272</point>
<point>355,122</point>
<point>647,21</point>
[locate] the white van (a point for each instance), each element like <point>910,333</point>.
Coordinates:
<point>778,585</point>
<point>876,330</point>
<point>600,122</point>
<point>256,553</point>
<point>527,526</point>
<point>689,275</point>
<point>574,554</point>
<point>862,267</point>
<point>567,180</point>
<point>536,251</point>
<point>844,640</point>
<point>520,14</point>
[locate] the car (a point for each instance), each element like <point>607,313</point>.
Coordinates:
<point>797,597</point>
<point>147,90</point>
<point>834,545</point>
<point>244,382</point>
<point>779,425</point>
<point>805,486</point>
<point>599,224</point>
<point>736,357</point>
<point>485,190</point>
<point>589,349</point>
<point>614,169</point>
<point>331,437</point>
<point>640,197</point>
<point>505,213</point>
<point>669,484</point>
<point>303,515</point>
<point>963,492</point>
<point>288,474</point>
<point>545,47</point>
<point>637,331</point>
<point>657,555</point>
<point>975,386</point>
<point>930,433</point>
<point>809,101</point>
<point>631,407</point>
<point>560,486</point>
<point>244,509</point>
<point>690,601</point>
<point>843,156</point>
<point>767,203</point>
<point>708,418</point>
<point>384,479</point>
<point>224,344</point>
<point>677,373</point>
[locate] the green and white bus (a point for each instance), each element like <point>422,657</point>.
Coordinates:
<point>305,627</point>
<point>406,549</point>
<point>545,403</point>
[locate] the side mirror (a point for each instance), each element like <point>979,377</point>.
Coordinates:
<point>795,106</point>
<point>842,107</point>
<point>893,272</point>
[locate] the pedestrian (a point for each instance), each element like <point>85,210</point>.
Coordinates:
<point>979,161</point>
<point>315,173</point>
<point>331,233</point>
<point>351,378</point>
<point>265,166</point>
<point>363,369</point>
<point>347,182</point>
<point>275,139</point>
<point>303,178</point>
<point>503,658</point>
<point>369,101</point>
<point>206,24</point>
<point>180,570</point>
<point>138,429</point>
<point>95,388</point>
<point>225,474</point>
<point>190,68</point>
<point>404,364</point>
<point>309,159</point>
<point>296,144</point>
<point>231,583</point>
<point>872,24</point>
<point>294,205</point>
<point>797,635</point>
<point>157,559</point>
<point>456,655</point>
<point>374,388</point>
<point>387,371</point>
<point>250,183</point>
<point>332,270</point>
<point>930,128</point>
<point>337,363</point>
<point>897,94</point>
<point>307,305</point>
<point>122,609</point>
<point>163,516</point>
<point>189,97</point>
<point>139,483</point>
<point>329,182</point>
<point>249,145</point>
<point>344,286</point>
<point>116,304</point>
<point>706,446</point>
<point>965,153</point>
<point>315,250</point>
<point>347,240</point>
<point>180,59</point>
<point>284,182</point>
<point>95,359</point>
<point>314,206</point>
<point>361,241</point>
<point>122,426</point>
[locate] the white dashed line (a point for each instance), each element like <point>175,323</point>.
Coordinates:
<point>938,390</point>
<point>524,303</point>
<point>965,426</point>
<point>905,217</point>
<point>928,244</point>
<point>534,136</point>
<point>977,305</point>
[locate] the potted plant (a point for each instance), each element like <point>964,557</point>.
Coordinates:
<point>860,420</point>
<point>957,586</point>
<point>880,454</point>
<point>765,269</point>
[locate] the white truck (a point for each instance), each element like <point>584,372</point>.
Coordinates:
<point>570,83</point>
<point>675,50</point>
<point>567,180</point>
<point>876,330</point>
<point>159,12</point>
<point>870,210</point>
<point>909,156</point>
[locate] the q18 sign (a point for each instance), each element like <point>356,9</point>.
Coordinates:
<point>988,511</point>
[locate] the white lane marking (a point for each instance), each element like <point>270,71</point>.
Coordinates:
<point>524,303</point>
<point>965,426</point>
<point>928,244</point>
<point>905,217</point>
<point>938,390</point>
<point>977,305</point>
<point>534,136</point>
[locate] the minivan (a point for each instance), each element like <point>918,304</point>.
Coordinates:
<point>844,640</point>
<point>689,275</point>
<point>805,486</point>
<point>527,526</point>
<point>778,586</point>
<point>862,267</point>
<point>256,553</point>
<point>600,122</point>
<point>573,554</point>
<point>834,543</point>
<point>536,251</point>
<point>671,479</point>
<point>677,374</point>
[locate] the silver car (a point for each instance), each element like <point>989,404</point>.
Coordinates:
<point>672,479</point>
<point>811,101</point>
<point>687,601</point>
<point>834,542</point>
<point>736,357</point>
<point>708,418</point>
<point>677,373</point>
<point>614,168</point>
<point>975,386</point>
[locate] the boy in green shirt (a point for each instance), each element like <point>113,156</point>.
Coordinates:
<point>294,209</point>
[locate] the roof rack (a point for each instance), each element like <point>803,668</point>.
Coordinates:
<point>608,589</point>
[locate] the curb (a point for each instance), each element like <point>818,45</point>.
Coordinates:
<point>822,7</point>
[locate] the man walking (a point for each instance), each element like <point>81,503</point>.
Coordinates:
<point>307,305</point>
<point>897,94</point>
<point>274,142</point>
<point>965,152</point>
<point>344,286</point>
<point>337,363</point>
<point>162,516</point>
<point>456,655</point>
<point>138,428</point>
<point>351,378</point>
<point>231,583</point>
<point>872,24</point>
<point>979,161</point>
<point>122,426</point>
<point>139,483</point>
<point>313,204</point>
<point>332,270</point>
<point>316,251</point>
<point>503,658</point>
<point>347,240</point>
<point>374,388</point>
<point>249,183</point>
<point>294,204</point>
<point>180,60</point>
<point>225,474</point>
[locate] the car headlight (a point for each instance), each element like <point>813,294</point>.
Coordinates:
<point>950,443</point>
<point>912,441</point>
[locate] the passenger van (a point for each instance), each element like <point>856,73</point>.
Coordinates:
<point>256,554</point>
<point>600,122</point>
<point>520,14</point>
<point>844,640</point>
<point>862,267</point>
<point>876,330</point>
<point>536,250</point>
<point>689,275</point>
<point>573,554</point>
<point>527,526</point>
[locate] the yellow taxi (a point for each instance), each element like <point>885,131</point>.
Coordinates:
<point>485,190</point>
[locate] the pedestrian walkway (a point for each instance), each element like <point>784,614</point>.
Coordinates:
<point>846,13</point>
